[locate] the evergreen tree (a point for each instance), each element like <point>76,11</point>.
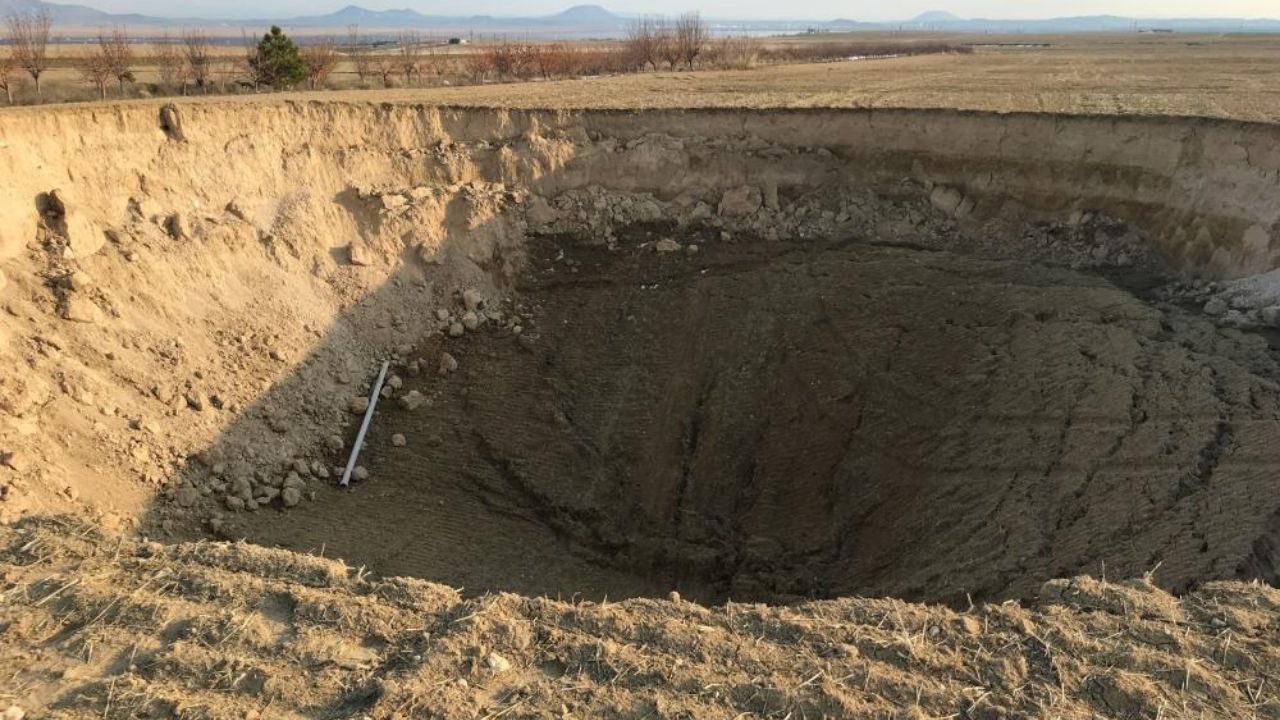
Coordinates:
<point>277,62</point>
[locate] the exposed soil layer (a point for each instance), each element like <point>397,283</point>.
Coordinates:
<point>887,370</point>
<point>773,420</point>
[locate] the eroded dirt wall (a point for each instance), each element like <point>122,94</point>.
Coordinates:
<point>1206,190</point>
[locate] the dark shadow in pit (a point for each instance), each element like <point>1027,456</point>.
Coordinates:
<point>776,421</point>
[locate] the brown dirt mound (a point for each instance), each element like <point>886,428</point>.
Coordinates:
<point>779,420</point>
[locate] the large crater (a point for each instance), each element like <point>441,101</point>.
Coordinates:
<point>764,356</point>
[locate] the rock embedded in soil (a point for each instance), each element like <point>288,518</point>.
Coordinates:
<point>81,309</point>
<point>358,405</point>
<point>398,440</point>
<point>740,202</point>
<point>496,663</point>
<point>359,254</point>
<point>178,227</point>
<point>291,496</point>
<point>412,400</point>
<point>448,363</point>
<point>667,245</point>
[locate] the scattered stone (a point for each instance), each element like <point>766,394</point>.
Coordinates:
<point>394,202</point>
<point>178,227</point>
<point>667,245</point>
<point>1270,315</point>
<point>398,440</point>
<point>740,202</point>
<point>15,461</point>
<point>412,400</point>
<point>448,363</point>
<point>471,299</point>
<point>359,254</point>
<point>496,663</point>
<point>235,503</point>
<point>186,496</point>
<point>673,596</point>
<point>291,496</point>
<point>1216,306</point>
<point>334,443</point>
<point>79,281</point>
<point>14,712</point>
<point>470,321</point>
<point>301,467</point>
<point>691,249</point>
<point>442,314</point>
<point>242,487</point>
<point>395,382</point>
<point>360,473</point>
<point>456,330</point>
<point>358,405</point>
<point>84,237</point>
<point>969,625</point>
<point>237,210</point>
<point>82,310</point>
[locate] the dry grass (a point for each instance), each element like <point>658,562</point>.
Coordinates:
<point>1216,76</point>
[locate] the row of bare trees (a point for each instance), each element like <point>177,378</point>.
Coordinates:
<point>28,36</point>
<point>412,58</point>
<point>111,60</point>
<point>674,43</point>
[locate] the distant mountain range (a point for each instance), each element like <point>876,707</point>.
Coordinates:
<point>593,20</point>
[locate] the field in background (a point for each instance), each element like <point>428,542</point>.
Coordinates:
<point>1235,76</point>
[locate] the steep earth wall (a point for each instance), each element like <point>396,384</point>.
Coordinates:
<point>1205,190</point>
<point>176,276</point>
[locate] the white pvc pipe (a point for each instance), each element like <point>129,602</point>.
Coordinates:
<point>364,426</point>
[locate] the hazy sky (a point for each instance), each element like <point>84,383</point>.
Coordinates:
<point>821,9</point>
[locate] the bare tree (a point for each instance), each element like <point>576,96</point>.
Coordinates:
<point>409,53</point>
<point>644,41</point>
<point>117,53</point>
<point>225,72</point>
<point>320,59</point>
<point>479,65</point>
<point>198,56</point>
<point>257,68</point>
<point>691,37</point>
<point>169,62</point>
<point>385,67</point>
<point>29,35</point>
<point>7,67</point>
<point>95,68</point>
<point>667,47</point>
<point>359,53</point>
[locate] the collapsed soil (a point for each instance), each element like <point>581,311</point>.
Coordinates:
<point>777,420</point>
